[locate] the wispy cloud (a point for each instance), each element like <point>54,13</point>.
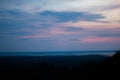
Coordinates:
<point>36,24</point>
<point>94,25</point>
<point>96,39</point>
<point>72,16</point>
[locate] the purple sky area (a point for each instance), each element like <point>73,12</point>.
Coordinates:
<point>58,25</point>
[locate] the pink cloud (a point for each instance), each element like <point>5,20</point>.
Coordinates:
<point>100,39</point>
<point>93,25</point>
<point>118,2</point>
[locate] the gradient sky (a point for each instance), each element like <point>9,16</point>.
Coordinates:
<point>58,25</point>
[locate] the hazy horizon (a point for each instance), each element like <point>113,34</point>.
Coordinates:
<point>58,53</point>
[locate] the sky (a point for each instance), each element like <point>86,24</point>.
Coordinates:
<point>59,25</point>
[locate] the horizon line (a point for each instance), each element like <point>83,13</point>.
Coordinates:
<point>63,51</point>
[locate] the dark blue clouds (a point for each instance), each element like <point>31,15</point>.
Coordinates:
<point>72,29</point>
<point>12,20</point>
<point>16,19</point>
<point>72,16</point>
<point>28,25</point>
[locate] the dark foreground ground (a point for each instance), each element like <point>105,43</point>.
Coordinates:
<point>89,67</point>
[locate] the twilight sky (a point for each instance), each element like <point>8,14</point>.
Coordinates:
<point>58,25</point>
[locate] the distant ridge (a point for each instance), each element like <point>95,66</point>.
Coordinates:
<point>67,51</point>
<point>58,53</point>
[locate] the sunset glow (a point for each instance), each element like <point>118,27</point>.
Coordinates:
<point>53,25</point>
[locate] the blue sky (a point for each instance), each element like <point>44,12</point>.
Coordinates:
<point>58,25</point>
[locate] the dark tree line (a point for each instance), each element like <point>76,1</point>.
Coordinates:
<point>109,68</point>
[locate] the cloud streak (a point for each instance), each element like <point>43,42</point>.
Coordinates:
<point>59,24</point>
<point>100,40</point>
